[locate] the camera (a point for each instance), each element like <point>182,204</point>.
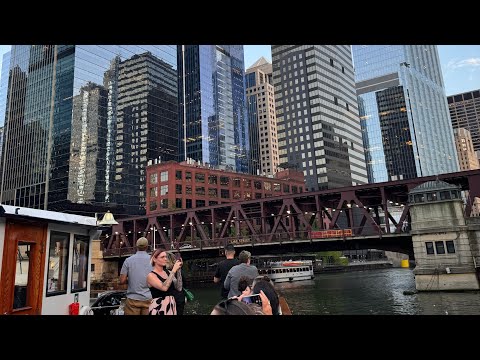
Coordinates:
<point>252,299</point>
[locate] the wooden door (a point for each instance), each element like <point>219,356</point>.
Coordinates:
<point>23,266</point>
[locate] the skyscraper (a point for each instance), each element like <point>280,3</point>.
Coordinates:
<point>467,158</point>
<point>261,118</point>
<point>465,113</point>
<point>213,124</point>
<point>3,99</point>
<point>64,129</point>
<point>403,112</point>
<point>317,115</point>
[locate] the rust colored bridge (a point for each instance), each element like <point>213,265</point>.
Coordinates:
<point>364,216</point>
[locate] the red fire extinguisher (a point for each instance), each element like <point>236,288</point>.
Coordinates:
<point>74,308</point>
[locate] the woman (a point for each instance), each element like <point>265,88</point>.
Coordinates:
<point>159,281</point>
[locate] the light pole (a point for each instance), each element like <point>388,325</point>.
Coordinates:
<point>153,229</point>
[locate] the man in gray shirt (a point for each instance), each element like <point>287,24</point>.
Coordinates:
<point>134,272</point>
<point>236,272</point>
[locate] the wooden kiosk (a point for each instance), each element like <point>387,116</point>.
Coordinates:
<point>45,259</point>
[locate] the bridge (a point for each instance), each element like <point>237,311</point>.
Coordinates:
<point>357,217</point>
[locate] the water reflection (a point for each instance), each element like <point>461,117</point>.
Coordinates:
<point>374,292</point>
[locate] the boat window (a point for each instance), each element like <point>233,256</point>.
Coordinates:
<point>21,275</point>
<point>58,263</point>
<point>80,263</point>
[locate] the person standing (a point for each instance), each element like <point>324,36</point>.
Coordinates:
<point>244,269</point>
<point>224,267</point>
<point>134,272</point>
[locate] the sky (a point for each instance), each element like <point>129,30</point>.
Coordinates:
<point>460,64</point>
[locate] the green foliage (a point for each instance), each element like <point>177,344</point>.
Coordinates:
<point>331,258</point>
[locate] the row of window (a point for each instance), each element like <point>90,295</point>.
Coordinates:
<point>440,247</point>
<point>58,256</point>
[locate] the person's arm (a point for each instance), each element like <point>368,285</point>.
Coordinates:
<point>179,282</point>
<point>124,273</point>
<point>123,279</point>
<point>217,277</point>
<point>154,281</point>
<point>226,283</point>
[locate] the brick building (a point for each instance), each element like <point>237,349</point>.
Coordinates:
<point>185,185</point>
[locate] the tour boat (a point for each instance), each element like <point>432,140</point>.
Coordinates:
<point>285,271</point>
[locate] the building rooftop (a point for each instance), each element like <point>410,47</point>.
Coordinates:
<point>432,186</point>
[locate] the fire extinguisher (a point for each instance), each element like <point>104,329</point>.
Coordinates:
<point>74,308</point>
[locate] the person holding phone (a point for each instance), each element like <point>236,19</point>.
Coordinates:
<point>178,294</point>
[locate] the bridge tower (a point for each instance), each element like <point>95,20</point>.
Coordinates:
<point>445,243</point>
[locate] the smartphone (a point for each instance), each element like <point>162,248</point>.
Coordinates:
<point>178,256</point>
<point>252,299</point>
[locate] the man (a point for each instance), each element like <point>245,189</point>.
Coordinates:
<point>134,272</point>
<point>238,271</point>
<point>224,267</point>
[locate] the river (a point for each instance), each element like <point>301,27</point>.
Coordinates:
<point>371,292</point>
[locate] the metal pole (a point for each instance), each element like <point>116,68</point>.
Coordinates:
<point>154,229</point>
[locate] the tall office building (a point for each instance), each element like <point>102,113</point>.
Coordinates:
<point>317,115</point>
<point>465,113</point>
<point>403,112</point>
<point>261,118</point>
<point>213,124</point>
<point>4,86</point>
<point>467,157</point>
<point>3,99</point>
<point>72,110</point>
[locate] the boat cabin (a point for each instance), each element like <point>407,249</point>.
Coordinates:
<point>45,259</point>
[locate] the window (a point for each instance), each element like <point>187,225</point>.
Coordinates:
<point>188,203</point>
<point>429,246</point>
<point>276,187</point>
<point>200,190</point>
<point>164,176</point>
<point>257,185</point>
<point>153,205</point>
<point>225,194</point>
<point>419,198</point>
<point>212,179</point>
<point>331,62</point>
<point>153,192</point>
<point>200,203</point>
<point>212,192</point>
<point>164,203</point>
<point>188,190</point>
<point>178,175</point>
<point>178,189</point>
<point>80,263</point>
<point>153,178</point>
<point>164,190</point>
<point>236,194</point>
<point>440,247</point>
<point>286,188</point>
<point>444,195</point>
<point>57,263</point>
<point>450,247</point>
<point>188,176</point>
<point>178,203</point>
<point>236,182</point>
<point>258,195</point>
<point>294,189</point>
<point>212,203</point>
<point>267,186</point>
<point>199,178</point>
<point>224,180</point>
<point>247,183</point>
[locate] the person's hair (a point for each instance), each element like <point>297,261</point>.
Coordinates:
<point>244,256</point>
<point>264,283</point>
<point>233,307</point>
<point>229,248</point>
<point>244,282</point>
<point>171,258</point>
<point>155,255</point>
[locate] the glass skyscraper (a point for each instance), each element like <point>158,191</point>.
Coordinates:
<point>403,112</point>
<point>3,99</point>
<point>213,123</point>
<point>83,121</point>
<point>317,115</point>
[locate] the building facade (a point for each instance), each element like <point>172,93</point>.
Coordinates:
<point>213,123</point>
<point>465,113</point>
<point>3,99</point>
<point>264,157</point>
<point>317,114</point>
<point>402,107</point>
<point>467,158</point>
<point>72,110</point>
<point>187,185</point>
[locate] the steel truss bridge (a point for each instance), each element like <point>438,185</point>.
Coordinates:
<point>364,216</point>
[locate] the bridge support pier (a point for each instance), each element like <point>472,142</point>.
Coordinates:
<point>445,243</point>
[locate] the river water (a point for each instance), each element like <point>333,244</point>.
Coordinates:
<point>371,292</point>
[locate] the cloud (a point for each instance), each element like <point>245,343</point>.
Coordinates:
<point>472,63</point>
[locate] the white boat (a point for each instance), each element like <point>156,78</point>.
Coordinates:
<point>285,271</point>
